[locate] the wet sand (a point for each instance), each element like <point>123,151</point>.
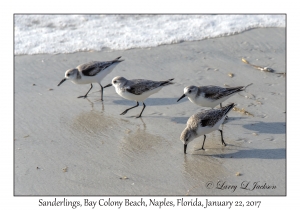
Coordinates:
<point>69,146</point>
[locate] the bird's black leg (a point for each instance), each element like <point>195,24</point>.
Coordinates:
<point>144,105</point>
<point>137,104</point>
<point>203,142</point>
<point>86,93</point>
<point>222,140</point>
<point>101,92</point>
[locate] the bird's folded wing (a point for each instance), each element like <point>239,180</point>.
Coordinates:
<point>94,67</point>
<point>215,92</point>
<point>140,86</point>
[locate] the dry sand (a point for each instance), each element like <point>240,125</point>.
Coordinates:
<point>69,146</point>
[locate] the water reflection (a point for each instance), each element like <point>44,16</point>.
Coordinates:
<point>139,141</point>
<point>92,103</point>
<point>201,168</point>
<point>93,123</point>
<point>198,170</point>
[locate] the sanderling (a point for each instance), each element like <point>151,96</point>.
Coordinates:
<point>91,72</point>
<point>203,123</point>
<point>137,89</point>
<point>210,96</point>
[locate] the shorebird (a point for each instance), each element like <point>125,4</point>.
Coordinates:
<point>210,96</point>
<point>203,123</point>
<point>92,72</point>
<point>137,89</point>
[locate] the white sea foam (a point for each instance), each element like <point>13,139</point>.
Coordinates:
<point>35,34</point>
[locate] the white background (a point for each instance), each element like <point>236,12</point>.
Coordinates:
<point>8,201</point>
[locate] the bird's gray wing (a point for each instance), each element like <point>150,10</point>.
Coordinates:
<point>206,118</point>
<point>215,92</point>
<point>94,67</point>
<point>139,86</point>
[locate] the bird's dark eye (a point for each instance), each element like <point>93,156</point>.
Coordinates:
<point>190,91</point>
<point>115,81</point>
<point>68,74</point>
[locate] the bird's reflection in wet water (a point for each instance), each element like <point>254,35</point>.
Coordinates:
<point>94,125</point>
<point>92,103</point>
<point>198,169</point>
<point>139,141</point>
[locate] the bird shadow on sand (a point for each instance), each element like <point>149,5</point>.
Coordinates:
<point>267,127</point>
<point>149,102</point>
<point>279,153</point>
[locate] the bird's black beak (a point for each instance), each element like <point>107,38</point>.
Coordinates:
<point>62,81</point>
<point>184,147</point>
<point>181,97</point>
<point>107,85</point>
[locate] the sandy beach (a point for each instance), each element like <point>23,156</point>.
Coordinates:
<point>69,146</point>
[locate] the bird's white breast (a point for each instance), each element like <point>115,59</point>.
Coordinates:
<point>142,97</point>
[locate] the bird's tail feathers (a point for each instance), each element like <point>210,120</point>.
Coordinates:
<point>244,88</point>
<point>117,59</point>
<point>168,82</point>
<point>228,108</point>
